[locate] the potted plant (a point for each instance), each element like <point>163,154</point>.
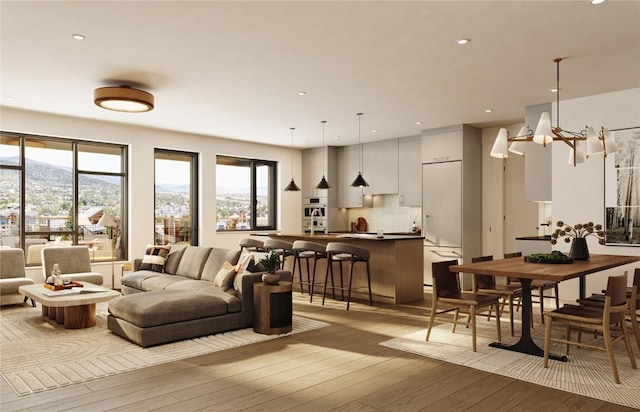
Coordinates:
<point>271,264</point>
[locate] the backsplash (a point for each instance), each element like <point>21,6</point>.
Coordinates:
<point>387,214</point>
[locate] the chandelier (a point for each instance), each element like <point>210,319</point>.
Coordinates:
<point>602,142</point>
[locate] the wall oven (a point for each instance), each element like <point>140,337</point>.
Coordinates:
<point>314,214</point>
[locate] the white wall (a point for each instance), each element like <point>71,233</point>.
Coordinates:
<point>578,192</point>
<point>141,142</point>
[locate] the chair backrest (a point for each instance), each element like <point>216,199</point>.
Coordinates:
<point>70,259</point>
<point>339,247</point>
<point>483,281</point>
<point>12,263</point>
<point>445,283</point>
<point>512,255</point>
<point>617,294</point>
<point>635,300</point>
<point>247,242</point>
<point>272,244</point>
<point>303,245</point>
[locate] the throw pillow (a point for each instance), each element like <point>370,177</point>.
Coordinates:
<point>173,259</point>
<point>226,275</point>
<point>154,258</point>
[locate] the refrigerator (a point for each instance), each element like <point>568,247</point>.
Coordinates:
<point>441,213</point>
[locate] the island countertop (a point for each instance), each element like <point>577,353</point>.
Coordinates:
<point>337,237</point>
<point>395,260</point>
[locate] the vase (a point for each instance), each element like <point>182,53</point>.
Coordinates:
<point>579,249</point>
<point>271,278</point>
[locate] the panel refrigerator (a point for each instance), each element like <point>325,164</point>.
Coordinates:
<point>441,213</point>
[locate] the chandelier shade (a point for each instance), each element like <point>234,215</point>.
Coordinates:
<point>519,145</point>
<point>499,149</point>
<point>543,134</point>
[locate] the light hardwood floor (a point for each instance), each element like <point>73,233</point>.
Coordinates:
<point>340,367</point>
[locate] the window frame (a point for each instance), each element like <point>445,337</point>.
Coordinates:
<point>272,195</point>
<point>194,189</point>
<point>74,144</point>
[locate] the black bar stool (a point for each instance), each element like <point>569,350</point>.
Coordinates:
<point>307,250</point>
<point>345,252</point>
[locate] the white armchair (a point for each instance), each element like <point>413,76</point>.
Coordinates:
<point>12,276</point>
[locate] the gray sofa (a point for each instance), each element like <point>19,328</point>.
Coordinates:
<point>182,302</point>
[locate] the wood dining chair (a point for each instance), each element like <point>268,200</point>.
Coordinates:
<point>486,284</point>
<point>538,287</point>
<point>633,299</point>
<point>592,318</point>
<point>447,293</point>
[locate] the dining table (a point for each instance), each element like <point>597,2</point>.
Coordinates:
<point>526,272</point>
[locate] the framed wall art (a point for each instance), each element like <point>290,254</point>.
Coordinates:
<point>622,189</point>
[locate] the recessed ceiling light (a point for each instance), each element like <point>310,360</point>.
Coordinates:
<point>462,41</point>
<point>418,122</point>
<point>596,1</point>
<point>336,137</point>
<point>488,110</point>
<point>554,90</point>
<point>301,93</point>
<point>374,130</point>
<point>8,98</point>
<point>77,36</point>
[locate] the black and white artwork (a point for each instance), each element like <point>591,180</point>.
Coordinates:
<point>622,189</point>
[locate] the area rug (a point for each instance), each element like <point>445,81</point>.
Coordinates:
<point>587,372</point>
<point>37,354</point>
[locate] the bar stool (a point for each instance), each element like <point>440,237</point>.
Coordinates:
<point>345,252</point>
<point>307,250</point>
<point>251,245</point>
<point>281,248</point>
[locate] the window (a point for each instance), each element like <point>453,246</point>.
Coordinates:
<point>245,194</point>
<point>176,197</point>
<point>54,192</point>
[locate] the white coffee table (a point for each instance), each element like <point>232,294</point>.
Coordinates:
<point>74,311</point>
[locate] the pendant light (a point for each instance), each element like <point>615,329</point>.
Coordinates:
<point>359,180</point>
<point>292,187</point>
<point>323,182</point>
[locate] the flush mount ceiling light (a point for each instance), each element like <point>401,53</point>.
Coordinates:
<point>123,99</point>
<point>359,180</point>
<point>292,186</point>
<point>596,143</point>
<point>323,182</point>
<point>462,41</point>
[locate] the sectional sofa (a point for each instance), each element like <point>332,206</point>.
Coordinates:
<point>185,298</point>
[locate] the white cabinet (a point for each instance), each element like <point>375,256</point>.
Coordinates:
<point>409,171</point>
<point>312,169</point>
<point>349,165</point>
<point>442,204</point>
<point>442,145</point>
<point>380,167</point>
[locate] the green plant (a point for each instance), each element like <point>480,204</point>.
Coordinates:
<point>271,262</point>
<point>581,230</point>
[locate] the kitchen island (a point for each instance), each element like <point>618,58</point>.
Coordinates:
<point>395,264</point>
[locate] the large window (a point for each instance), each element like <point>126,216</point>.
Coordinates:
<point>176,197</point>
<point>245,194</point>
<point>55,192</point>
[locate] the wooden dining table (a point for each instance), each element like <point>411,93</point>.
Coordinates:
<point>526,272</point>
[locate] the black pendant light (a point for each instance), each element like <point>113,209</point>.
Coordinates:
<point>323,182</point>
<point>292,186</point>
<point>359,181</point>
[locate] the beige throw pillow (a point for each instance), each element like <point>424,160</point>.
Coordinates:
<point>226,275</point>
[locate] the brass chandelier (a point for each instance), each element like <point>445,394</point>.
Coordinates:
<point>596,143</point>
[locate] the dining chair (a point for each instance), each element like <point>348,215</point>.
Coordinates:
<point>447,292</point>
<point>486,284</point>
<point>592,318</point>
<point>538,287</point>
<point>633,299</point>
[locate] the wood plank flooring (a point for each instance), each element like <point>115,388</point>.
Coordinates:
<point>337,368</point>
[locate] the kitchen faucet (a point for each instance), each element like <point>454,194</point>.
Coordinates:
<point>314,213</point>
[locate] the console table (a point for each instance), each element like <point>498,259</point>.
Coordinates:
<point>272,308</point>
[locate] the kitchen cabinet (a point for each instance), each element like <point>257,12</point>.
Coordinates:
<point>312,169</point>
<point>380,167</point>
<point>409,170</point>
<point>451,196</point>
<point>349,166</point>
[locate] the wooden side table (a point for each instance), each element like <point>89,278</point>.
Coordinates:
<point>272,308</point>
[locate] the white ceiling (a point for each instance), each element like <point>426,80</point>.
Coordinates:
<point>233,69</point>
